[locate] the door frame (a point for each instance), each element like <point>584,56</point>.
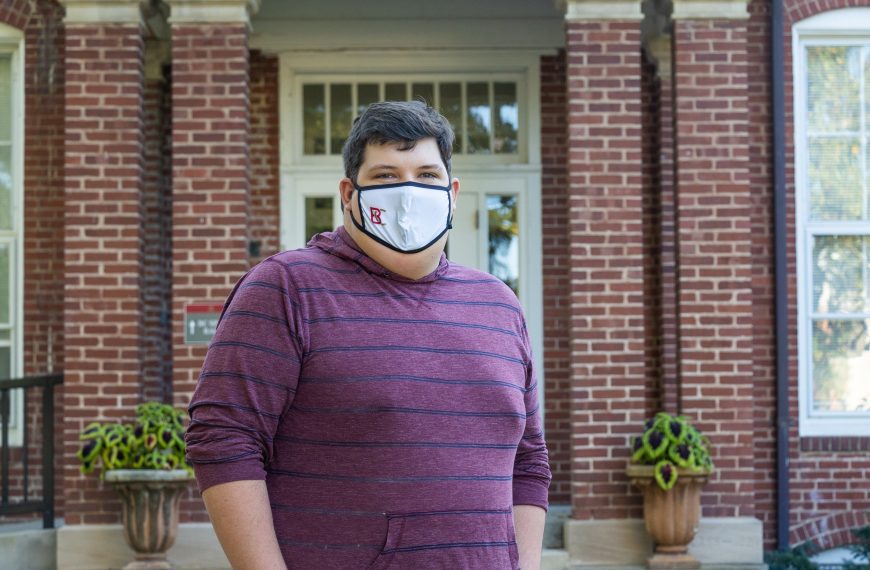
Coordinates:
<point>526,63</point>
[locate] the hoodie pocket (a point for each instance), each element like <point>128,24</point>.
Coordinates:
<point>455,540</point>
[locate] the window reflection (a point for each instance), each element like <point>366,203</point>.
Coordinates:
<point>479,118</point>
<point>340,115</point>
<point>319,215</point>
<point>313,118</point>
<point>504,251</point>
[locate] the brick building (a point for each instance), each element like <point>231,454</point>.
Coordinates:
<point>152,151</point>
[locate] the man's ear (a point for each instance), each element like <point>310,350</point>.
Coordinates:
<point>454,189</point>
<point>345,192</point>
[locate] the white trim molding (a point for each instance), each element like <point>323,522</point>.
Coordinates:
<point>103,11</point>
<point>843,27</point>
<point>710,10</point>
<point>602,10</point>
<point>212,11</point>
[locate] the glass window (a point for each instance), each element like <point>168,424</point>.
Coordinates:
<point>835,139</point>
<point>450,95</point>
<point>504,241</point>
<point>5,282</point>
<point>318,215</point>
<point>314,118</point>
<point>479,118</point>
<point>367,93</point>
<point>507,120</point>
<point>424,91</point>
<point>485,115</point>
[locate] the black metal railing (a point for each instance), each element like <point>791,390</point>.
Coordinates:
<point>46,505</point>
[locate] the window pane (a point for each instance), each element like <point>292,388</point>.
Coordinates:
<point>5,277</point>
<point>840,268</point>
<point>366,94</point>
<point>841,359</point>
<point>451,107</point>
<point>5,98</point>
<point>396,92</point>
<point>318,215</point>
<point>834,86</point>
<point>5,363</point>
<point>836,191</point>
<point>426,91</point>
<point>479,118</point>
<point>506,118</point>
<point>5,187</point>
<point>340,115</point>
<point>504,246</point>
<point>5,335</point>
<point>314,118</point>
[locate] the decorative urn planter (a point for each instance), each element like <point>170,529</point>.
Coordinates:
<point>671,516</point>
<point>149,501</point>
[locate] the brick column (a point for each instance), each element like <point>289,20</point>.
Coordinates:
<point>210,164</point>
<point>103,234</point>
<point>660,50</point>
<point>714,237</point>
<point>606,253</point>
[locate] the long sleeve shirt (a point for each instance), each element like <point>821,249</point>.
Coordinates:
<point>395,421</point>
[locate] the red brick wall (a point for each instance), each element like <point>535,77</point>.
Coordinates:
<point>714,265</point>
<point>210,177</point>
<point>606,249</point>
<point>829,489</point>
<point>763,324</point>
<point>264,150</point>
<point>652,235</point>
<point>43,223</point>
<point>557,302</point>
<point>156,247</point>
<point>103,240</point>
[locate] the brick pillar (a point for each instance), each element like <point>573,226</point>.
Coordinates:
<point>606,251</point>
<point>210,165</point>
<point>714,236</point>
<point>103,235</point>
<point>661,52</point>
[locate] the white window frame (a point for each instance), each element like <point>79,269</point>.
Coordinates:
<point>848,26</point>
<point>522,65</point>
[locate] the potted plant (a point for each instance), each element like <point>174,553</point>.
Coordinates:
<point>144,462</point>
<point>670,462</point>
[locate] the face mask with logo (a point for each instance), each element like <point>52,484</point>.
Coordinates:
<point>407,217</point>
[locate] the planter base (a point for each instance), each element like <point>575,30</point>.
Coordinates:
<point>149,563</point>
<point>667,561</point>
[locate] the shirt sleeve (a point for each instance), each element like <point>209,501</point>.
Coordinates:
<point>532,475</point>
<point>248,379</point>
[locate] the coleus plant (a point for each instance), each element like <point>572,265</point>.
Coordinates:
<point>155,440</point>
<point>668,443</point>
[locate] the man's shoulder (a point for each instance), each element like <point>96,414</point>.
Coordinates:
<point>475,281</point>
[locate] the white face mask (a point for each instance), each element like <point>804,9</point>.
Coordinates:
<point>407,217</point>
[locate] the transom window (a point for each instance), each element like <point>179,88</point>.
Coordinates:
<point>485,114</point>
<point>833,143</point>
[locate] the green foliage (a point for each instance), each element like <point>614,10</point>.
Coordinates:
<point>155,440</point>
<point>670,442</point>
<point>861,549</point>
<point>795,559</point>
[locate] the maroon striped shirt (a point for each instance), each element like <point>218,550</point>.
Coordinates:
<point>395,421</point>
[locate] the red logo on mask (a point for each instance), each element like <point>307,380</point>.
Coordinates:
<point>376,215</point>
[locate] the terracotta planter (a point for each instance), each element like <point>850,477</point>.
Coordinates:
<point>671,517</point>
<point>149,501</point>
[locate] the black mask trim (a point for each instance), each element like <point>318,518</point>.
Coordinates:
<point>361,226</point>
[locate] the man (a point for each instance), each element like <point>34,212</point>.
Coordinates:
<point>365,403</point>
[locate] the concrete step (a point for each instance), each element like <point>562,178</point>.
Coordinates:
<point>554,559</point>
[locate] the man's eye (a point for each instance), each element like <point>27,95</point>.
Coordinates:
<point>428,175</point>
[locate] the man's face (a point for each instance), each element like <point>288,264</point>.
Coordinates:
<point>389,164</point>
<point>386,163</point>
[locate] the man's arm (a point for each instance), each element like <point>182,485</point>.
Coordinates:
<point>242,520</point>
<point>529,522</point>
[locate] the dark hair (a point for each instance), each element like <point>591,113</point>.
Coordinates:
<point>403,122</point>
